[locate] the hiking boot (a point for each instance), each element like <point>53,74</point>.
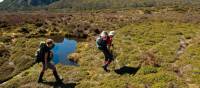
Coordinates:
<point>57,77</point>
<point>59,80</point>
<point>105,68</point>
<point>40,80</point>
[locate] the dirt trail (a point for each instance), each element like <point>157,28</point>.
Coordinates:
<point>184,44</point>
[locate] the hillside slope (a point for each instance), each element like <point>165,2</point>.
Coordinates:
<point>95,4</point>
<point>154,45</point>
<point>155,48</point>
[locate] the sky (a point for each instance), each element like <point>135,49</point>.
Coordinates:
<point>1,1</point>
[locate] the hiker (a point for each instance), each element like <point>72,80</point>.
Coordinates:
<point>46,57</point>
<point>102,45</point>
<point>110,39</point>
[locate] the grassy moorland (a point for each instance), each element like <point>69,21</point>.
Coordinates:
<point>146,47</point>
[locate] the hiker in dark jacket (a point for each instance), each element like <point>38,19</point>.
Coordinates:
<point>47,56</point>
<point>102,45</point>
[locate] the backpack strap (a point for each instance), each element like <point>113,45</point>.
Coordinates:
<point>98,41</point>
<point>42,44</point>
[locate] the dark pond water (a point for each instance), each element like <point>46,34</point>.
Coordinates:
<point>62,50</point>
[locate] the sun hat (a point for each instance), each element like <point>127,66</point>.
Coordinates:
<point>104,34</point>
<point>111,33</point>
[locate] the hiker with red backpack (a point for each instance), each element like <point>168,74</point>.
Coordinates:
<point>102,44</point>
<point>45,55</point>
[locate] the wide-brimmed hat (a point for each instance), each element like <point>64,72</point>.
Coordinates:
<point>111,33</point>
<point>104,34</point>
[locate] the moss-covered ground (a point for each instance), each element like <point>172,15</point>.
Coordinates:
<point>146,57</point>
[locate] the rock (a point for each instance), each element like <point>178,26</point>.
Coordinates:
<point>74,57</point>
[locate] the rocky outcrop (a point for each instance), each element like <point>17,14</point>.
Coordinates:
<point>74,57</point>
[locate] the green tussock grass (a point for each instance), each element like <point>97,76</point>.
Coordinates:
<point>21,57</point>
<point>132,45</point>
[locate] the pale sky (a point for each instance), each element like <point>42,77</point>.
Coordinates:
<point>1,1</point>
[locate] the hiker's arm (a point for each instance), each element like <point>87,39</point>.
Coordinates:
<point>51,54</point>
<point>45,59</point>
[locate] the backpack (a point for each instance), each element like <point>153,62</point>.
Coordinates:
<point>39,54</point>
<point>100,43</point>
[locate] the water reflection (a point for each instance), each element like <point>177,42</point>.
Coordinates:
<point>62,50</point>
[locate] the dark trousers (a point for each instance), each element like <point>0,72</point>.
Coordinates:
<point>50,66</point>
<point>108,56</point>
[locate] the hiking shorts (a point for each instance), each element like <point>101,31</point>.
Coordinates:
<point>107,54</point>
<point>49,65</point>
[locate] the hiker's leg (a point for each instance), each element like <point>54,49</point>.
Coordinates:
<point>105,66</point>
<point>109,56</point>
<point>106,56</point>
<point>52,66</point>
<point>43,67</point>
<point>109,61</point>
<point>106,63</point>
<point>42,73</point>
